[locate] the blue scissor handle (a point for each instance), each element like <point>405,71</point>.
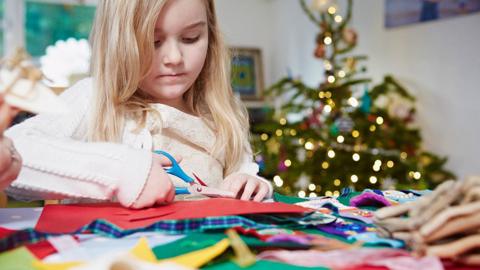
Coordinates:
<point>175,169</point>
<point>181,190</point>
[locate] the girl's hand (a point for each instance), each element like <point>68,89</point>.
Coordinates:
<point>159,188</point>
<point>244,186</point>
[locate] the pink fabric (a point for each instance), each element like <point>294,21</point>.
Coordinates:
<point>347,259</point>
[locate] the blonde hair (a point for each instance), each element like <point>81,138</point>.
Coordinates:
<point>122,49</point>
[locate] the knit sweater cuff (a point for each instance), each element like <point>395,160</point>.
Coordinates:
<point>133,175</point>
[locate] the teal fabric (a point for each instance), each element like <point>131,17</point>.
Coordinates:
<point>260,265</point>
<point>286,199</point>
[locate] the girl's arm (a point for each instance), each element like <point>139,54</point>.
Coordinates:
<point>58,163</point>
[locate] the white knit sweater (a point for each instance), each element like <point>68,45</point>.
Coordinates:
<point>59,163</point>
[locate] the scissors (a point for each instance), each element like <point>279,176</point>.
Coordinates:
<point>194,188</point>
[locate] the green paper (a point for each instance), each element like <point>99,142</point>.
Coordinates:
<point>197,241</point>
<point>286,199</point>
<point>230,265</point>
<point>17,259</point>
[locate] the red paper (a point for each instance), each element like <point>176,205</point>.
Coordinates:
<point>41,249</point>
<point>4,232</point>
<point>68,218</point>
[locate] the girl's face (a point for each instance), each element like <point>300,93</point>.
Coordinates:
<point>181,42</point>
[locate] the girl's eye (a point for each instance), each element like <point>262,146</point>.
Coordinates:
<point>191,40</point>
<point>157,43</point>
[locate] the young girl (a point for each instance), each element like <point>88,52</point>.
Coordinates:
<point>160,81</point>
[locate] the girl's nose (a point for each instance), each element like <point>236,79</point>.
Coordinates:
<point>172,54</point>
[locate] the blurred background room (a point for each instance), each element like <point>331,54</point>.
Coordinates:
<point>377,94</point>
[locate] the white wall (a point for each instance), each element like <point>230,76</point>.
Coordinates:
<point>439,62</point>
<point>246,23</point>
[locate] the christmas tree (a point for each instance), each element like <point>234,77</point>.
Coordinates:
<point>344,132</point>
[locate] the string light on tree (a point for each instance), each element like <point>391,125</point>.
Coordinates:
<point>331,79</point>
<point>312,195</point>
<point>264,136</point>
<point>332,10</point>
<point>325,165</point>
<point>354,178</point>
<point>277,181</point>
<point>355,134</point>
<point>293,132</point>
<point>312,187</point>
<point>327,40</point>
<point>287,163</point>
<point>340,139</point>
<point>377,165</point>
<point>328,193</point>
<point>356,157</point>
<point>336,193</point>
<point>279,132</point>
<point>417,175</point>
<point>373,128</point>
<point>301,194</point>
<point>327,108</point>
<point>338,18</point>
<point>309,145</point>
<point>331,153</point>
<point>337,182</point>
<point>353,102</point>
<point>390,164</point>
<point>283,121</point>
<point>373,179</point>
<point>379,120</point>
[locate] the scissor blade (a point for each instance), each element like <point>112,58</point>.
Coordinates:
<point>199,180</point>
<point>210,192</point>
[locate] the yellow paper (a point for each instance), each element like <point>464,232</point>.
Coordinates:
<point>55,266</point>
<point>142,251</point>
<point>198,258</point>
<point>244,257</point>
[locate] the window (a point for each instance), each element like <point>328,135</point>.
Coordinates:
<point>46,23</point>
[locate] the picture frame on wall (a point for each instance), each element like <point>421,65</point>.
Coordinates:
<point>247,73</point>
<point>406,12</point>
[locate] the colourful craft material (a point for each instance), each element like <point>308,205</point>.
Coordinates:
<point>68,218</point>
<point>393,259</point>
<point>198,258</point>
<point>244,257</point>
<point>17,259</point>
<point>369,199</point>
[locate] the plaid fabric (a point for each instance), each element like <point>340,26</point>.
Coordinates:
<point>104,228</point>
